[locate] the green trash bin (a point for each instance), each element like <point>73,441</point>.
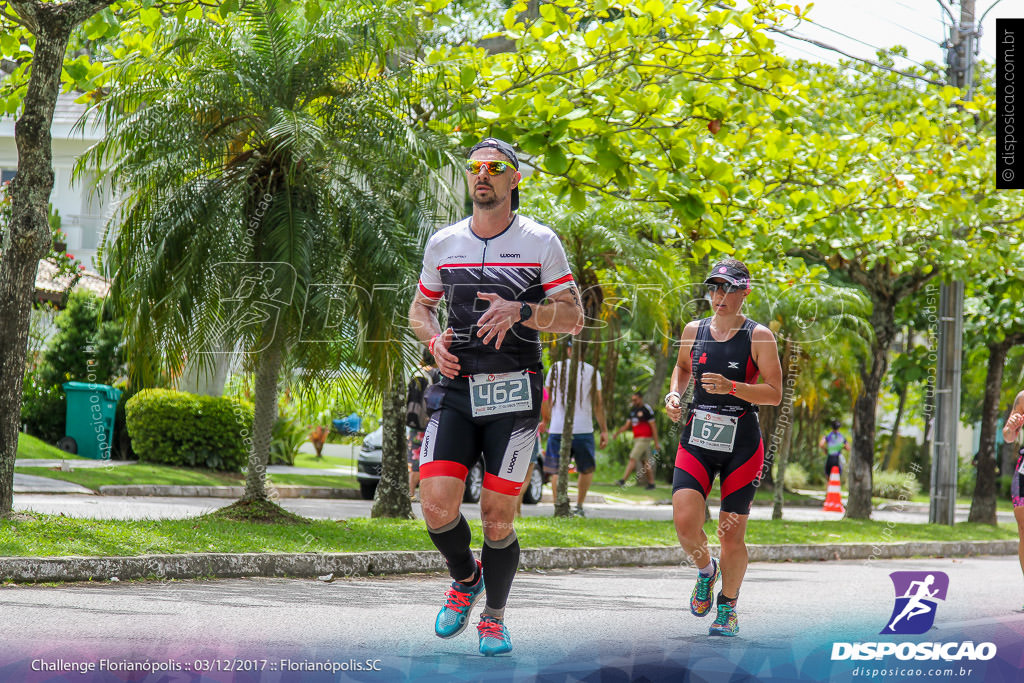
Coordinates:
<point>90,419</point>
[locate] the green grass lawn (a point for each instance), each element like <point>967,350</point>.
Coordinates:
<point>325,463</point>
<point>48,535</point>
<point>182,476</point>
<point>31,448</point>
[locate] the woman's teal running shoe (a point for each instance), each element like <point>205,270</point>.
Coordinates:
<point>458,603</point>
<point>494,638</point>
<point>700,599</point>
<point>726,623</point>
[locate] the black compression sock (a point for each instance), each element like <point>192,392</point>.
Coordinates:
<point>453,541</point>
<point>500,563</point>
<point>724,600</point>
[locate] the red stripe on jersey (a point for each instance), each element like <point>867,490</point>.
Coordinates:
<point>559,281</point>
<point>686,461</point>
<point>752,371</point>
<point>494,265</point>
<point>443,468</point>
<point>493,482</point>
<point>748,472</point>
<point>429,293</point>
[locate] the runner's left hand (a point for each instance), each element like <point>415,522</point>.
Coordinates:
<point>714,383</point>
<point>498,319</point>
<point>604,438</point>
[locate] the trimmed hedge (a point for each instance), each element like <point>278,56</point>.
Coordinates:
<point>178,428</point>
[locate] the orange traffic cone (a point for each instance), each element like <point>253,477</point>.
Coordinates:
<point>834,496</point>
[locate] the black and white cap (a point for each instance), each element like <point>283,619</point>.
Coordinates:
<point>508,151</point>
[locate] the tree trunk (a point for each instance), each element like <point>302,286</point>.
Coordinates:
<point>983,504</point>
<point>28,237</point>
<point>611,366</point>
<point>268,370</point>
<point>562,508</point>
<point>862,458</point>
<point>392,497</point>
<point>895,429</point>
<point>790,371</point>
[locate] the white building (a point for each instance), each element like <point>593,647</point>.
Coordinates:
<point>83,208</point>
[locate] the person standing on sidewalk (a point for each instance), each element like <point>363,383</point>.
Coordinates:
<point>504,278</point>
<point>724,354</point>
<point>588,406</point>
<point>645,433</point>
<point>834,443</point>
<point>1011,433</point>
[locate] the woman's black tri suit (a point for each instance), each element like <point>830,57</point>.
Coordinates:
<point>738,459</point>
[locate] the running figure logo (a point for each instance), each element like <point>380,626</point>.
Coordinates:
<point>916,596</point>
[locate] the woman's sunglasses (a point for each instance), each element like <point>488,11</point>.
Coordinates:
<point>726,287</point>
<point>493,167</point>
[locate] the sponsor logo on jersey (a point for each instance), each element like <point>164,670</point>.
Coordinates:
<point>512,256</point>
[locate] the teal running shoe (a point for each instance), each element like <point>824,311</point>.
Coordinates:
<point>494,638</point>
<point>458,603</point>
<point>701,599</point>
<point>726,623</point>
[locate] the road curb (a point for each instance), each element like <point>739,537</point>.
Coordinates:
<point>309,565</point>
<point>174,491</point>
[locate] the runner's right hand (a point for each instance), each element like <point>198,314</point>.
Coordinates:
<point>447,362</point>
<point>673,409</point>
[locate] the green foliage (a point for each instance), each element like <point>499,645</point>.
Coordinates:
<point>617,450</point>
<point>796,476</point>
<point>966,477</point>
<point>287,437</point>
<point>176,428</point>
<point>897,485</point>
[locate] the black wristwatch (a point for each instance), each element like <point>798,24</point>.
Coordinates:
<point>525,312</point>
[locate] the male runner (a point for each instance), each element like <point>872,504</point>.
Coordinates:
<point>645,432</point>
<point>724,353</point>
<point>503,278</point>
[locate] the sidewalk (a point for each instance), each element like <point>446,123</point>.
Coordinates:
<point>27,483</point>
<point>326,566</point>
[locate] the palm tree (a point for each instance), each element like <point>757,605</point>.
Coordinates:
<point>605,255</point>
<point>271,184</point>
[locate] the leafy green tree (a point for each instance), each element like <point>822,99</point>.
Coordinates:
<point>892,195</point>
<point>994,319</point>
<point>274,193</point>
<point>45,29</point>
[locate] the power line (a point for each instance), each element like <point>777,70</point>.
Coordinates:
<point>856,40</point>
<point>930,39</point>
<point>915,9</point>
<point>877,65</point>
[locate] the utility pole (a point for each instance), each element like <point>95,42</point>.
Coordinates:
<point>960,53</point>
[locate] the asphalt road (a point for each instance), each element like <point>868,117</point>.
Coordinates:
<point>145,507</point>
<point>565,623</point>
